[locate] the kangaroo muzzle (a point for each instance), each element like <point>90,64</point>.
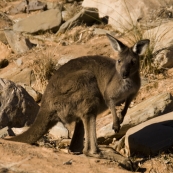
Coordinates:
<point>125,74</point>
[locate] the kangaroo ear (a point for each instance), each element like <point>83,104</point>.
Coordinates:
<point>141,46</point>
<point>116,44</point>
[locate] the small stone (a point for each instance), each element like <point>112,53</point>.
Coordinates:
<point>19,62</point>
<point>68,162</point>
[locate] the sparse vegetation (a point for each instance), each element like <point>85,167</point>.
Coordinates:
<point>43,69</point>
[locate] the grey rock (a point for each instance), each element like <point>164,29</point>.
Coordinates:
<point>26,7</point>
<point>6,131</point>
<point>18,43</point>
<point>150,137</point>
<point>87,16</point>
<point>17,108</point>
<point>47,20</point>
<point>59,131</point>
<point>34,94</point>
<point>148,109</point>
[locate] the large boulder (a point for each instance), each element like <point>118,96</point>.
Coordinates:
<point>47,20</point>
<point>148,109</point>
<point>17,107</point>
<point>124,15</point>
<point>150,137</point>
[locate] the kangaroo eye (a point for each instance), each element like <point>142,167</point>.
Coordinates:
<point>119,61</point>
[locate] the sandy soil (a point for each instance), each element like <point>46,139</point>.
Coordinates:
<point>24,158</point>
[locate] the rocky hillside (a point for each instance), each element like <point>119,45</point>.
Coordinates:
<point>37,37</point>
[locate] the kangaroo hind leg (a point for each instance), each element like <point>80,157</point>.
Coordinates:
<point>91,146</point>
<point>77,142</point>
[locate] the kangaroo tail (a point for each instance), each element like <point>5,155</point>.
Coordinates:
<point>43,122</point>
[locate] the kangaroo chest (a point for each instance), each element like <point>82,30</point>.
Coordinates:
<point>120,90</point>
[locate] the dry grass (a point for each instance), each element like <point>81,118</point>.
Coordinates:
<point>43,68</point>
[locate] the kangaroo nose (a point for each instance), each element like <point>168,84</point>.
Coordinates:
<point>125,74</point>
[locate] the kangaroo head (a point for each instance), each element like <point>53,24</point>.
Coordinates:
<point>128,59</point>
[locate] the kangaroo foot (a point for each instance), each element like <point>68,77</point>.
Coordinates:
<point>96,154</point>
<point>116,127</point>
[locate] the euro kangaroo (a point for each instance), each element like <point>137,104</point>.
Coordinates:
<point>82,88</point>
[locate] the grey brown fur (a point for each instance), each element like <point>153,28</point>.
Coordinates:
<point>82,88</point>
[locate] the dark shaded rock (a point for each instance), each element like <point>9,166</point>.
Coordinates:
<point>150,137</point>
<point>17,107</point>
<point>86,16</point>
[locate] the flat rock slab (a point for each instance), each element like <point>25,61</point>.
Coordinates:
<point>50,19</point>
<point>150,137</point>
